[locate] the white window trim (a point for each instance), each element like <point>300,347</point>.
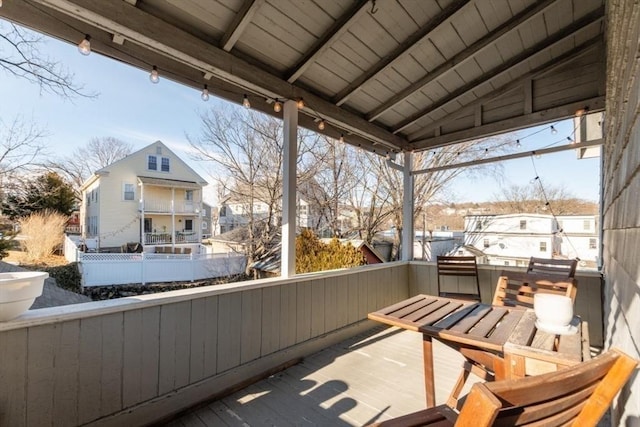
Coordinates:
<point>124,192</point>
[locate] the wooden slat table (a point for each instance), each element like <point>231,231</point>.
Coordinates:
<point>472,326</point>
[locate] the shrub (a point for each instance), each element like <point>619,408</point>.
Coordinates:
<point>43,232</point>
<point>313,255</point>
<point>67,276</point>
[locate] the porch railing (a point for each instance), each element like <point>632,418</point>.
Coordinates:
<point>137,360</point>
<point>165,238</point>
<point>166,206</point>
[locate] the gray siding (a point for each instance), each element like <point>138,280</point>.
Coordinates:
<point>621,196</point>
<point>140,359</point>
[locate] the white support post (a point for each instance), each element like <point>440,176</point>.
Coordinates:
<point>407,210</point>
<point>173,218</point>
<point>143,236</point>
<point>290,146</point>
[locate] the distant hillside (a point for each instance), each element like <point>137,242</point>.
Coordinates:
<point>451,216</point>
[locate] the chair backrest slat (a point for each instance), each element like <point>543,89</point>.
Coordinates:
<point>549,266</point>
<point>517,289</point>
<point>464,266</point>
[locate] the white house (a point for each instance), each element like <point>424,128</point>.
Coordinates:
<point>512,239</point>
<point>579,238</point>
<point>150,197</point>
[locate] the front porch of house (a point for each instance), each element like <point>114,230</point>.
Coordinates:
<point>138,360</point>
<point>170,211</point>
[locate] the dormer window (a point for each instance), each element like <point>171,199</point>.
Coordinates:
<point>152,163</point>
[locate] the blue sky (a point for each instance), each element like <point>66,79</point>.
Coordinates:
<point>130,108</point>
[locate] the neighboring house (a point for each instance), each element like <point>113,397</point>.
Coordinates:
<point>579,238</point>
<point>428,247</point>
<point>233,214</point>
<point>511,239</point>
<point>150,197</point>
<point>207,220</point>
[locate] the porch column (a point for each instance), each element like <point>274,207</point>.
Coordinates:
<point>290,147</point>
<point>173,217</point>
<point>407,210</point>
<point>143,236</point>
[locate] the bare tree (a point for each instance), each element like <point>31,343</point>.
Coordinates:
<point>246,147</point>
<point>21,56</point>
<point>334,176</point>
<point>430,186</point>
<point>97,154</point>
<point>542,199</point>
<point>21,145</point>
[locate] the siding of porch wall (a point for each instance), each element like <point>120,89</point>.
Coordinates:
<point>138,360</point>
<point>423,279</point>
<point>621,197</point>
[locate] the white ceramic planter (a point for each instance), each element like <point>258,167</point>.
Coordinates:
<point>18,291</point>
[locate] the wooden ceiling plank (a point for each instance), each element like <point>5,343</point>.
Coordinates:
<point>240,22</point>
<point>516,84</point>
<point>334,33</point>
<point>476,47</point>
<point>154,34</point>
<point>402,48</point>
<point>540,47</point>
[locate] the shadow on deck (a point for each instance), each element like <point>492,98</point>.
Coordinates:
<point>373,376</point>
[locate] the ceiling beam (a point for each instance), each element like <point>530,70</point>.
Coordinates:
<point>540,152</point>
<point>417,37</point>
<point>240,22</point>
<point>461,56</point>
<point>158,36</point>
<point>334,32</point>
<point>511,124</point>
<point>516,84</point>
<point>546,44</point>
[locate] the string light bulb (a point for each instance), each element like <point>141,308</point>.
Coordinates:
<point>321,125</point>
<point>245,102</point>
<point>154,76</point>
<point>341,138</point>
<point>84,47</point>
<point>277,106</point>
<point>553,130</point>
<point>518,143</point>
<point>205,94</point>
<point>300,103</point>
<point>570,140</point>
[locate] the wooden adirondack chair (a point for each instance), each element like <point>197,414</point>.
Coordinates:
<point>575,396</point>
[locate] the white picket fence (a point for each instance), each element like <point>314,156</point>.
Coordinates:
<point>99,269</point>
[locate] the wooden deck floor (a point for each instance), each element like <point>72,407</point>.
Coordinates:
<point>370,377</point>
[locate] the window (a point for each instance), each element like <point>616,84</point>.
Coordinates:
<point>204,225</point>
<point>223,211</point>
<point>543,246</point>
<point>188,195</point>
<point>158,150</point>
<point>486,243</point>
<point>148,225</point>
<point>523,224</point>
<point>152,163</point>
<point>188,225</point>
<point>587,224</point>
<point>506,263</point>
<point>592,243</point>
<point>129,192</point>
<point>165,164</point>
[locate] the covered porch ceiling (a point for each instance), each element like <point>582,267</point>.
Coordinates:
<point>389,75</point>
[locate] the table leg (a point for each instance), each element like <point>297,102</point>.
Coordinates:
<point>429,381</point>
